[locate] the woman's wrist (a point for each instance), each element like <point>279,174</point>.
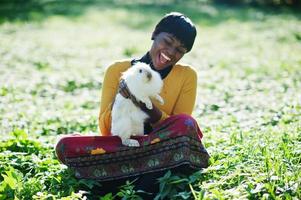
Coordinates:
<point>154,114</point>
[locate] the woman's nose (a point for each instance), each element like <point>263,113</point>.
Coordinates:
<point>171,51</point>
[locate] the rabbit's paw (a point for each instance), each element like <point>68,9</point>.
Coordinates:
<point>130,143</point>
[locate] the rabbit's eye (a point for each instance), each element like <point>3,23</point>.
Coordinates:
<point>140,70</point>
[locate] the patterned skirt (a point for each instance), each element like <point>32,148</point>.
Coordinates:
<point>174,142</point>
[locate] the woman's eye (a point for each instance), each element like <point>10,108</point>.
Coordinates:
<point>167,42</point>
<point>181,51</point>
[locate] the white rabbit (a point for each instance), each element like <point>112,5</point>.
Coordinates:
<point>127,118</point>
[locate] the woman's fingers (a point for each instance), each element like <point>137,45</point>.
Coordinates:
<point>123,89</point>
<point>125,92</point>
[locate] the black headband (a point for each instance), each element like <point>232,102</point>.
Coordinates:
<point>179,26</point>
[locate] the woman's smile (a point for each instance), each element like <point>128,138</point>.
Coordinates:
<point>162,60</point>
<point>166,50</point>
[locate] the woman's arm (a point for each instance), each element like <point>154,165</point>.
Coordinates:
<point>184,100</point>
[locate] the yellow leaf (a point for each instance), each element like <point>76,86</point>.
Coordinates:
<point>98,151</point>
<point>155,140</point>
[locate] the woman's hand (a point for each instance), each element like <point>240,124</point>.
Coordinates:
<point>123,89</point>
<point>154,113</point>
<point>125,92</point>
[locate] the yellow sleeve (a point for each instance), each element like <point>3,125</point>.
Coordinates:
<point>186,100</point>
<point>109,90</point>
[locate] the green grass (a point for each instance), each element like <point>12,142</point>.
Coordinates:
<point>248,106</point>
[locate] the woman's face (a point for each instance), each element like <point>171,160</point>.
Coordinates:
<point>166,50</point>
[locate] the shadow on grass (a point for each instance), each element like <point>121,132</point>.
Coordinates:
<point>200,13</point>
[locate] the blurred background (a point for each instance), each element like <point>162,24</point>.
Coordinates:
<point>54,53</point>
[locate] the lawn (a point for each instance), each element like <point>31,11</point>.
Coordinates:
<point>52,60</point>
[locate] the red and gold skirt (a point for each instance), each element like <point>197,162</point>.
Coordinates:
<point>174,142</point>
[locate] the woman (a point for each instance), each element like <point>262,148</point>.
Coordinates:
<point>172,139</point>
<point>173,36</point>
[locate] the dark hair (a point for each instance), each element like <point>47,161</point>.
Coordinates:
<point>179,26</point>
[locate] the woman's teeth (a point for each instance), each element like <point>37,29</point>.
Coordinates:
<point>165,56</point>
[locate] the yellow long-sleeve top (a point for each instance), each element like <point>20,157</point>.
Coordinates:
<point>178,92</point>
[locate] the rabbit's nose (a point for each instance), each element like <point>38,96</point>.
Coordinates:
<point>149,75</point>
